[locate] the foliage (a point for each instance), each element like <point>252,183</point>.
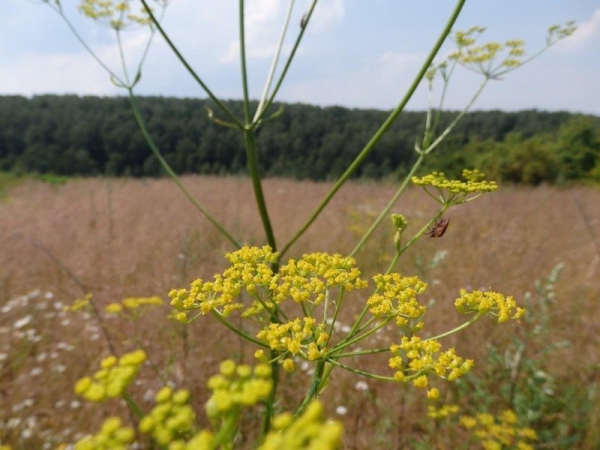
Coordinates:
<point>69,135</point>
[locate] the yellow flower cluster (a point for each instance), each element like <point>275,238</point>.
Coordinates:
<point>481,58</point>
<point>308,431</point>
<point>396,298</point>
<point>307,280</point>
<point>493,303</point>
<point>299,336</point>
<point>170,418</point>
<point>78,304</point>
<point>113,378</point>
<point>473,182</point>
<point>557,32</point>
<point>434,412</point>
<point>498,433</point>
<point>236,386</point>
<point>112,436</point>
<point>415,359</point>
<point>113,14</point>
<point>133,303</point>
<point>250,268</point>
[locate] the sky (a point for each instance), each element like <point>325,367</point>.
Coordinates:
<point>355,53</point>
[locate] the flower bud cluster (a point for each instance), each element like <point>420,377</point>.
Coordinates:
<point>500,432</point>
<point>416,359</point>
<point>116,15</point>
<point>170,418</point>
<point>133,303</point>
<point>307,280</point>
<point>308,431</point>
<point>396,298</point>
<point>112,436</point>
<point>487,302</point>
<point>302,337</point>
<point>237,386</point>
<point>113,378</point>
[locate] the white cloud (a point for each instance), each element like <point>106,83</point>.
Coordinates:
<point>55,73</point>
<point>260,25</point>
<point>326,14</point>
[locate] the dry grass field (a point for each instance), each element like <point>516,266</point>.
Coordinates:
<point>118,238</point>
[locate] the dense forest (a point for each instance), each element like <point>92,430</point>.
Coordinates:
<point>70,135</point>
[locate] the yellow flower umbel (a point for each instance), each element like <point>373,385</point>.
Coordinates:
<point>307,281</point>
<point>79,304</point>
<point>114,377</point>
<point>303,337</point>
<point>308,431</point>
<point>499,433</point>
<point>416,359</point>
<point>112,436</point>
<point>396,298</point>
<point>492,303</point>
<point>132,306</point>
<point>237,386</point>
<point>454,192</point>
<point>170,419</point>
<point>116,14</point>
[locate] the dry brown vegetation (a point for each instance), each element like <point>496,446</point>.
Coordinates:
<point>119,238</point>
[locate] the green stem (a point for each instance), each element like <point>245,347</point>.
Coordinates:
<point>133,406</point>
<point>171,173</point>
<point>243,63</point>
<point>457,329</point>
<point>271,401</point>
<point>252,161</point>
<point>313,390</point>
<point>382,130</point>
<point>263,98</point>
<point>237,331</point>
<point>288,63</point>
<point>361,372</point>
<point>371,351</point>
<point>191,71</point>
<point>450,127</point>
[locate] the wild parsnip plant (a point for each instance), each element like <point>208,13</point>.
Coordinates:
<point>290,309</point>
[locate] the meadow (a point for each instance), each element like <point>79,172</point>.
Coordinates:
<point>120,238</point>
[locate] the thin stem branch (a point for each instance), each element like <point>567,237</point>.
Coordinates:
<point>171,173</point>
<point>263,98</point>
<point>243,64</point>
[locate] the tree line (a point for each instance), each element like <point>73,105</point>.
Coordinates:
<point>71,135</point>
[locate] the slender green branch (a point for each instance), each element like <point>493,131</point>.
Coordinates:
<point>236,330</point>
<point>252,161</point>
<point>171,173</point>
<point>468,323</point>
<point>450,127</point>
<point>371,351</point>
<point>191,71</point>
<point>361,372</point>
<point>382,130</point>
<point>133,406</point>
<point>243,64</point>
<point>263,98</point>
<point>313,390</point>
<point>288,63</point>
<point>59,11</point>
<point>271,402</point>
